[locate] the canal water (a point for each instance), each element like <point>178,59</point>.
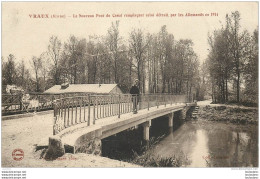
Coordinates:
<point>197,143</point>
<point>212,144</point>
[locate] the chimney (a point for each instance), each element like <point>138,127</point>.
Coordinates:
<point>64,85</point>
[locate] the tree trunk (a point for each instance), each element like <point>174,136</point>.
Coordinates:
<point>226,90</point>
<point>238,85</point>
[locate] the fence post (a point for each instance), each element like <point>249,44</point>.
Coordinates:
<point>164,99</point>
<point>111,106</point>
<point>139,100</point>
<point>60,108</point>
<point>119,97</point>
<point>94,106</point>
<point>53,98</point>
<point>89,101</point>
<point>21,102</point>
<point>148,101</point>
<point>157,101</point>
<point>54,115</point>
<point>80,106</point>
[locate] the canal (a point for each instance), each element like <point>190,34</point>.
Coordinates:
<point>197,143</point>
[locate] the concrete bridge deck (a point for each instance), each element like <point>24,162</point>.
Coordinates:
<point>80,135</point>
<point>86,121</point>
<point>112,125</point>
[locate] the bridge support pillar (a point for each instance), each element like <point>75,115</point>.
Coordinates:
<point>183,114</point>
<point>170,118</point>
<point>146,127</point>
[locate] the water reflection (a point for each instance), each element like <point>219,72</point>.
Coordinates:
<point>200,150</point>
<point>212,144</point>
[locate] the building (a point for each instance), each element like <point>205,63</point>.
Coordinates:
<point>84,88</point>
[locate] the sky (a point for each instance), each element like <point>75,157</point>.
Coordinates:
<point>25,36</point>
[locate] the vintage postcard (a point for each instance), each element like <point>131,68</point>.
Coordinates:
<point>129,84</point>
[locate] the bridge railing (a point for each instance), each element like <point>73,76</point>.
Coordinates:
<point>151,100</point>
<point>70,111</point>
<point>14,103</point>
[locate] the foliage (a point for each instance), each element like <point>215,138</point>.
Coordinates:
<point>148,159</point>
<point>161,63</point>
<point>233,62</point>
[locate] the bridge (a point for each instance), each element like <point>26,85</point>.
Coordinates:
<point>80,122</point>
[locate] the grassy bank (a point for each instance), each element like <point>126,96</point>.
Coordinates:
<point>238,115</point>
<point>148,159</point>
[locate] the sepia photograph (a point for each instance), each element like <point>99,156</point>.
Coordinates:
<point>129,85</point>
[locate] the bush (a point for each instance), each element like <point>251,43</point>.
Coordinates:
<point>148,159</point>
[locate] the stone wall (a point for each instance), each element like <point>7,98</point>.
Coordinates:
<point>89,143</point>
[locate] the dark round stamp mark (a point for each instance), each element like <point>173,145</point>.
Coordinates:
<point>18,154</point>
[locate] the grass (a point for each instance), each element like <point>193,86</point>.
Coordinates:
<point>148,159</point>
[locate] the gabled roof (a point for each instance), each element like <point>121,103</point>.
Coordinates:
<point>82,88</point>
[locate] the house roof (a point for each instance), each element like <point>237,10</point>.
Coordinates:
<point>82,88</point>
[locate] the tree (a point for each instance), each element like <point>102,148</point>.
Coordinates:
<point>165,46</point>
<point>232,59</point>
<point>251,70</point>
<point>138,46</point>
<point>238,43</point>
<point>9,71</point>
<point>74,54</point>
<point>45,69</point>
<point>37,65</point>
<point>54,51</point>
<point>221,64</point>
<point>113,44</point>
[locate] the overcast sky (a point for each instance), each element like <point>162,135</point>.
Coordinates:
<point>26,37</point>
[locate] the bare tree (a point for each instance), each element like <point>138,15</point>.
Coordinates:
<point>37,65</point>
<point>138,46</point>
<point>45,69</point>
<point>113,43</point>
<point>9,71</point>
<point>54,51</point>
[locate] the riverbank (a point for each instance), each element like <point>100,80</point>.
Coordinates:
<point>228,113</point>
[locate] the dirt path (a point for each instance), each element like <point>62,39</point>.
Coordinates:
<point>208,102</point>
<point>25,133</point>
